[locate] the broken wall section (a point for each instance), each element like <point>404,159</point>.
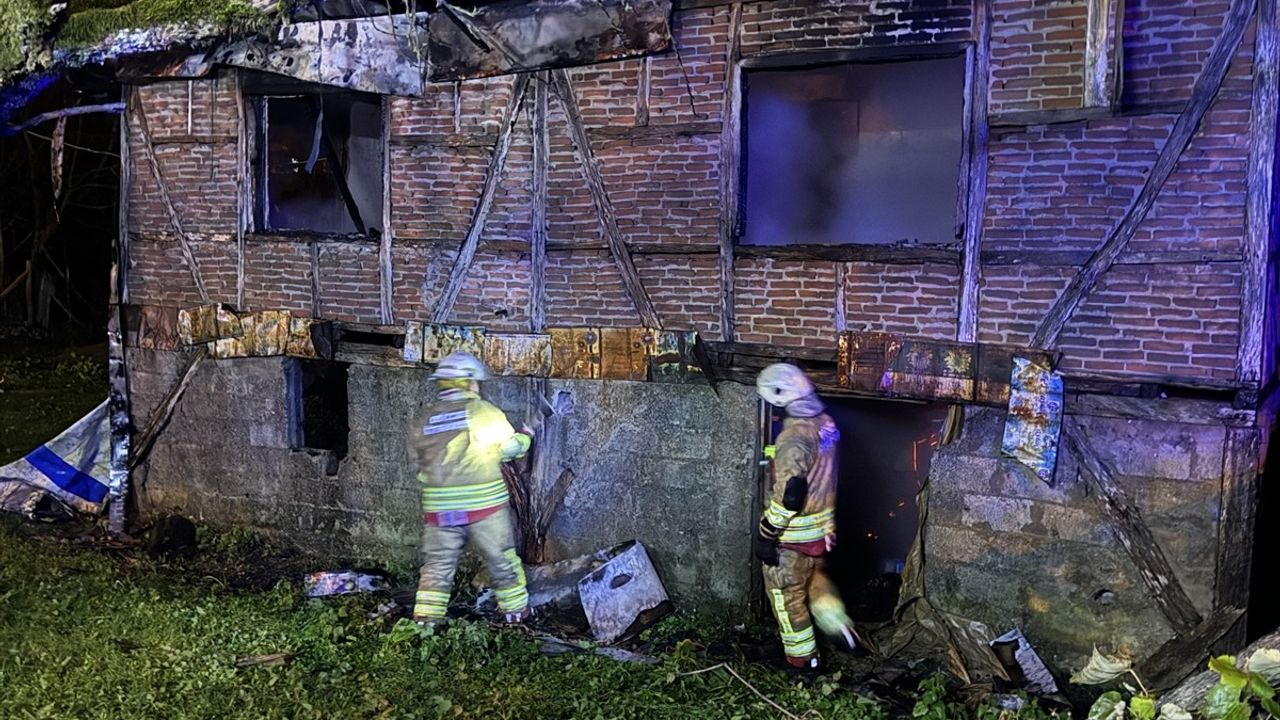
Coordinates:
<point>669,465</point>
<point>1005,548</point>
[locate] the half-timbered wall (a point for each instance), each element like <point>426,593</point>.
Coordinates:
<point>1054,166</point>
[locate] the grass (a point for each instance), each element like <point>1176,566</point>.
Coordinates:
<point>92,22</point>
<point>43,390</point>
<point>89,634</point>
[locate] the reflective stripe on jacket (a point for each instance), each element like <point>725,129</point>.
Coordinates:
<point>806,448</point>
<point>459,446</point>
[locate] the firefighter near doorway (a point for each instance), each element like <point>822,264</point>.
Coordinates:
<point>459,446</point>
<point>797,527</point>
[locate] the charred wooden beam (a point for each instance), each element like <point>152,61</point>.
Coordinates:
<point>164,411</point>
<point>118,405</point>
<point>643,91</point>
<point>1202,95</point>
<point>805,58</point>
<point>563,90</point>
<point>1103,53</point>
<point>137,111</point>
<point>1236,516</point>
<point>889,254</point>
<point>115,107</point>
<point>979,76</point>
<point>242,191</point>
<point>386,307</point>
<point>517,36</point>
<point>645,132</point>
<point>1134,535</point>
<point>1251,361</point>
<point>1176,410</point>
<point>1023,120</point>
<point>730,176</point>
<point>1078,258</point>
<point>1183,655</point>
<point>538,219</point>
<point>467,253</point>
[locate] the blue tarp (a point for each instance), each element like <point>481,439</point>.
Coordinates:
<point>72,467</point>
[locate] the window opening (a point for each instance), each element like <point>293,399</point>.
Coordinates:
<point>853,153</point>
<point>318,162</point>
<point>318,407</point>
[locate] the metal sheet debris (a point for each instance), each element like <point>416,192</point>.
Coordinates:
<point>157,327</point>
<point>575,353</point>
<point>1034,424</point>
<point>1025,662</point>
<point>673,356</point>
<point>524,355</point>
<point>520,35</point>
<point>624,353</point>
<point>924,368</point>
<point>624,595</point>
<point>862,358</point>
<point>440,340</point>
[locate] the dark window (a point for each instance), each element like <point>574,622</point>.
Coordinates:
<point>853,153</point>
<point>318,163</point>
<point>317,406</point>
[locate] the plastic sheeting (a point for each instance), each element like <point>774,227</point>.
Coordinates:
<point>73,468</point>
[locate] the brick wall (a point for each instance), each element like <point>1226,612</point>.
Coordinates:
<point>1050,188</point>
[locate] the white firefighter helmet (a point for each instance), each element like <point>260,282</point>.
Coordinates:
<point>461,366</point>
<point>781,384</point>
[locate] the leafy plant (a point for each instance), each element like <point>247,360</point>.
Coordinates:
<point>1239,690</point>
<point>1111,705</point>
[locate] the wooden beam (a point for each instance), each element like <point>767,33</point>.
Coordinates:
<point>118,406</point>
<point>386,310</point>
<point>317,308</point>
<point>1134,535</point>
<point>563,90</point>
<point>1175,410</point>
<point>642,91</point>
<point>1023,120</point>
<point>1077,258</point>
<point>966,132</point>
<point>1236,517</point>
<point>1259,202</point>
<point>1183,655</point>
<point>886,254</point>
<point>841,318</point>
<point>1101,60</point>
<point>976,203</point>
<point>538,220</point>
<point>1202,95</point>
<point>730,176</point>
<point>808,58</point>
<point>467,253</point>
<point>647,132</point>
<point>115,107</point>
<point>137,110</point>
<point>242,190</point>
<point>164,411</point>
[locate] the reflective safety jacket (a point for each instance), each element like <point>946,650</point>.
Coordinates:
<point>459,446</point>
<point>805,448</point>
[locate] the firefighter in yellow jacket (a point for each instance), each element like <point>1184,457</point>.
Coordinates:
<point>459,447</point>
<point>797,529</point>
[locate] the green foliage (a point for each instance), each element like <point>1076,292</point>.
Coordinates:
<point>932,703</point>
<point>1240,691</point>
<point>1109,706</point>
<point>23,24</point>
<point>87,635</point>
<point>94,24</point>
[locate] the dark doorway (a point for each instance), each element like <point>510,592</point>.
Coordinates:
<point>318,406</point>
<point>885,451</point>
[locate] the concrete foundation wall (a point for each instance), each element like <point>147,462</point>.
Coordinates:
<point>1005,548</point>
<point>670,465</point>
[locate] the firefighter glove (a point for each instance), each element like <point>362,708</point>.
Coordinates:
<point>767,550</point>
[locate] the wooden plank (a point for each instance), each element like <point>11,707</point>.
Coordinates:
<point>386,310</point>
<point>1202,95</point>
<point>139,112</point>
<point>649,132</point>
<point>164,411</point>
<point>1185,654</point>
<point>966,132</point>
<point>467,253</point>
<point>806,58</point>
<point>317,309</point>
<point>773,352</point>
<point>538,220</point>
<point>1100,57</point>
<point>449,140</point>
<point>887,254</point>
<point>118,400</point>
<point>841,318</point>
<point>1236,517</point>
<point>730,176</point>
<point>1077,258</point>
<point>1177,410</point>
<point>642,91</point>
<point>1132,532</point>
<point>364,354</point>
<point>242,190</point>
<point>976,202</point>
<point>1259,203</point>
<point>563,90</point>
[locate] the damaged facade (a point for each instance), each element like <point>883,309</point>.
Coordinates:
<point>1110,205</point>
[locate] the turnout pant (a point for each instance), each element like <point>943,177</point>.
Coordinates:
<point>797,580</point>
<point>441,547</point>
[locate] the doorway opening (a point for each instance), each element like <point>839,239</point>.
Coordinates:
<point>885,450</point>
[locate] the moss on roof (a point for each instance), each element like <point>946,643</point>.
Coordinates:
<point>23,26</point>
<point>92,21</point>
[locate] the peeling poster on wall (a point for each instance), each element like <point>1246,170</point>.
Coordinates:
<point>1034,422</point>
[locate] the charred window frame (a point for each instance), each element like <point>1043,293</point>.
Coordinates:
<point>316,158</point>
<point>940,189</point>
